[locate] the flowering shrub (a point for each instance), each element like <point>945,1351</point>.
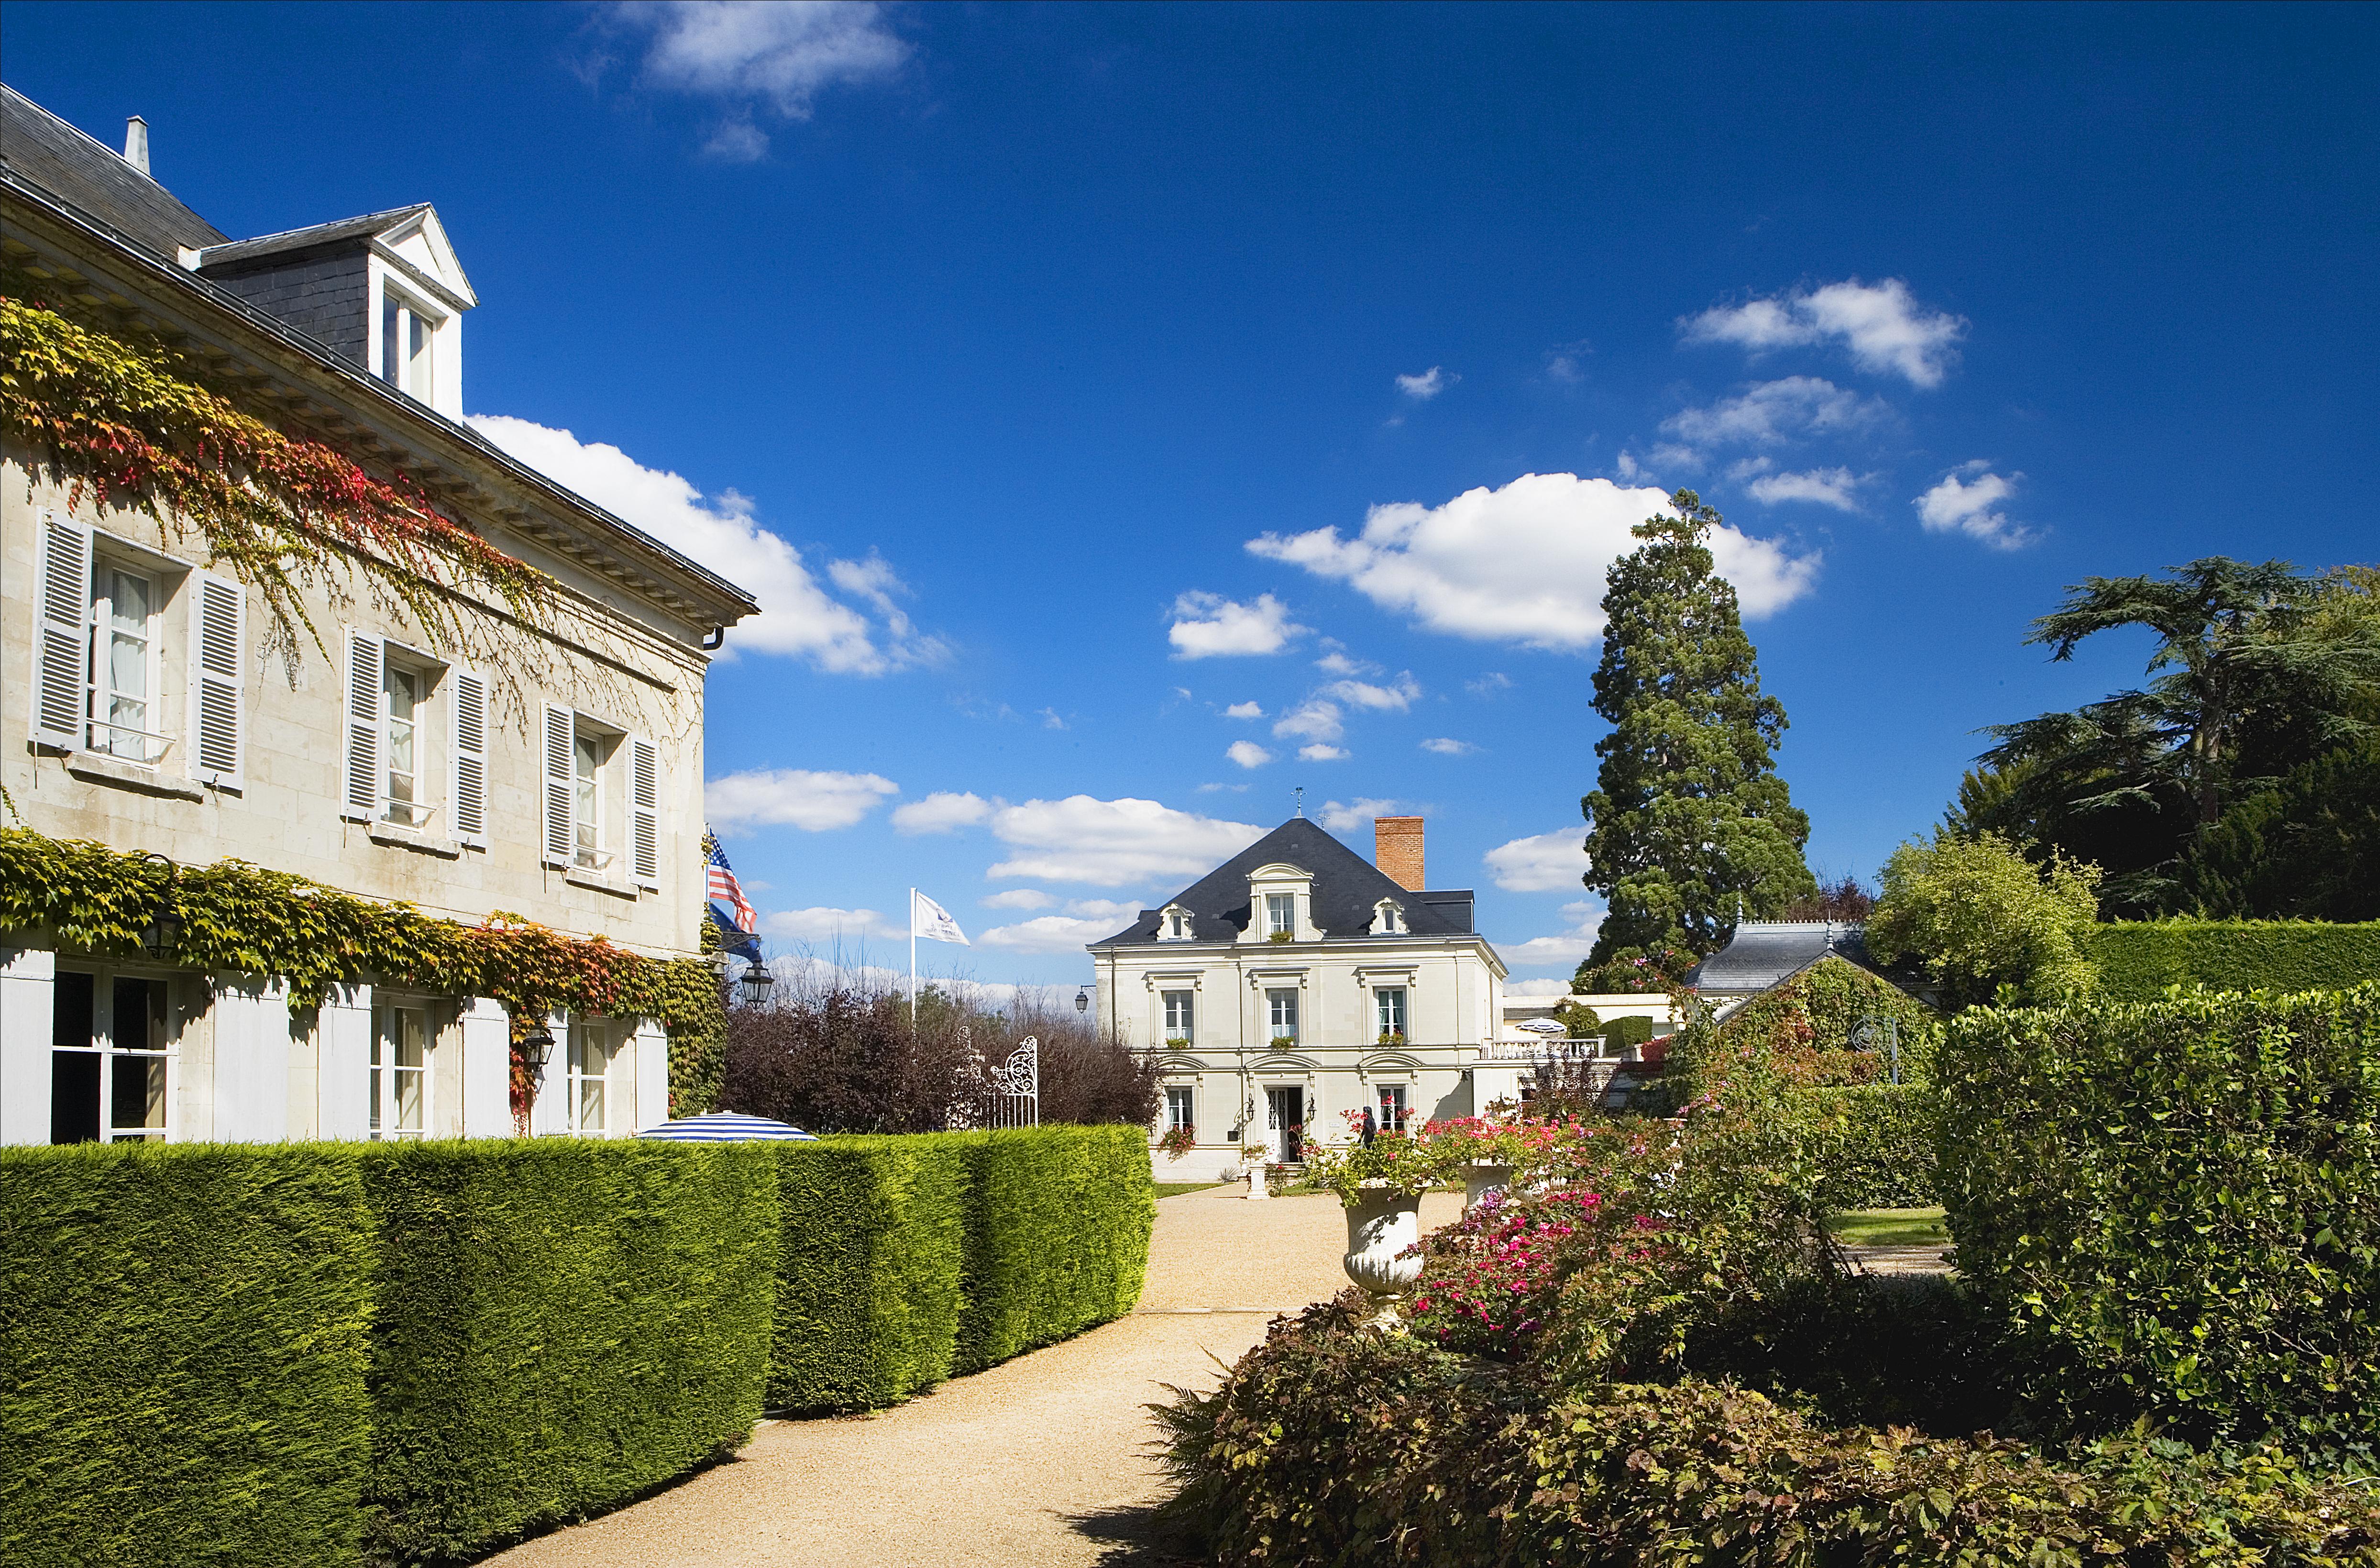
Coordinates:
<point>1494,1276</point>
<point>1179,1141</point>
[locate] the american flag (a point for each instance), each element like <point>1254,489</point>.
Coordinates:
<point>737,919</point>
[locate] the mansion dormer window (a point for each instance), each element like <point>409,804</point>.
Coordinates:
<point>409,333</point>
<point>1280,914</point>
<point>1177,924</point>
<point>1388,918</point>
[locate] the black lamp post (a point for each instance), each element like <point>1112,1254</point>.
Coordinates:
<point>536,1047</point>
<point>164,932</point>
<point>1082,1001</point>
<point>755,983</point>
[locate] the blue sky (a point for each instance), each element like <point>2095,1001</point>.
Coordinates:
<point>1016,354</point>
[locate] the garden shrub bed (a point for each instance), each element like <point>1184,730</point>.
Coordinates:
<point>333,1354</point>
<point>1333,1443</point>
<point>2175,1206</point>
<point>185,1332</point>
<point>2138,959</point>
<point>1874,1147</point>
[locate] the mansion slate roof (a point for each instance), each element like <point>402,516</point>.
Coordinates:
<point>58,157</point>
<point>1346,889</point>
<point>1765,951</point>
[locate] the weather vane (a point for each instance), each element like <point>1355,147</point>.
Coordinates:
<point>1301,800</point>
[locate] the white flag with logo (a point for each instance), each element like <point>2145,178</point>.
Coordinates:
<point>931,920</point>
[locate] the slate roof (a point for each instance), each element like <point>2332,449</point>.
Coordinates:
<point>1763,953</point>
<point>1346,888</point>
<point>312,236</point>
<point>89,173</point>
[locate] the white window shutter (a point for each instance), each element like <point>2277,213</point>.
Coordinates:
<point>470,783</point>
<point>62,637</point>
<point>218,641</point>
<point>560,786</point>
<point>645,811</point>
<point>360,798</point>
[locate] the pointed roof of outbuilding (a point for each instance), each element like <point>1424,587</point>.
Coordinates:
<point>1347,890</point>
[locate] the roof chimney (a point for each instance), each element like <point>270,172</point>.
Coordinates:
<point>1396,850</point>
<point>136,143</point>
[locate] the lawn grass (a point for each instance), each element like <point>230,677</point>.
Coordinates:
<point>1175,1189</point>
<point>1889,1227</point>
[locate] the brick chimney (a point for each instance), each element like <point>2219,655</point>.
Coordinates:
<point>1396,850</point>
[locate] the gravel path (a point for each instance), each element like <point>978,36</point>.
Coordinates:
<point>1040,1460</point>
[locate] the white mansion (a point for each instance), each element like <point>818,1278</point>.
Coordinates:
<point>1296,983</point>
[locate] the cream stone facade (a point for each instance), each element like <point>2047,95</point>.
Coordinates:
<point>1298,984</point>
<point>549,771</point>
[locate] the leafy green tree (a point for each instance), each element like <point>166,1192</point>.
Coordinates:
<point>1973,915</point>
<point>2256,669</point>
<point>2308,849</point>
<point>1689,828</point>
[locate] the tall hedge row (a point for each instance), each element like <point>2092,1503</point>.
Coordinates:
<point>312,1354</point>
<point>2177,1204</point>
<point>2138,959</point>
<point>1874,1147</point>
<point>560,1326</point>
<point>183,1337</point>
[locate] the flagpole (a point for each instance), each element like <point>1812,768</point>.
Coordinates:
<point>913,960</point>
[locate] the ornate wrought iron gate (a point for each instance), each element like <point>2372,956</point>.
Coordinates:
<point>1014,1096</point>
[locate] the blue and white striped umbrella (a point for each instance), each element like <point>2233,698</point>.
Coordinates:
<point>724,1126</point>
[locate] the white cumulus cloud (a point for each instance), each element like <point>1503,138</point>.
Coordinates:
<point>798,617</point>
<point>1566,947</point>
<point>1828,487</point>
<point>1363,694</point>
<point>1969,506</point>
<point>1019,898</point>
<point>1207,625</point>
<point>1446,745</point>
<point>777,56</point>
<point>1319,752</point>
<point>1546,863</point>
<point>1888,332</point>
<point>1314,719</point>
<point>1114,842</point>
<point>1427,384</point>
<point>941,812</point>
<point>825,924</point>
<point>1772,413</point>
<point>1244,710</point>
<point>797,797</point>
<point>1524,564</point>
<point>1247,754</point>
<point>1337,818</point>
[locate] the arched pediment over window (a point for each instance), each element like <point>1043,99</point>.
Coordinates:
<point>1381,1061</point>
<point>1283,1062</point>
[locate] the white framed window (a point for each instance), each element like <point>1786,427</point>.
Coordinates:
<point>400,1073</point>
<point>1280,914</point>
<point>124,613</point>
<point>1178,1102</point>
<point>595,776</point>
<point>392,735</point>
<point>1280,1007</point>
<point>1180,1020</point>
<point>1394,1110</point>
<point>1387,918</point>
<point>587,1078</point>
<point>111,1058</point>
<point>404,702</point>
<point>408,334</point>
<point>588,755</point>
<point>1177,924</point>
<point>1388,1005</point>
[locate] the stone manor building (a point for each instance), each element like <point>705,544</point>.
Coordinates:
<point>144,706</point>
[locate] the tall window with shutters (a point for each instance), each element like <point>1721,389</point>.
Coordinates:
<point>397,723</point>
<point>602,800</point>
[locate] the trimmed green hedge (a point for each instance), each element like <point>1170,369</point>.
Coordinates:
<point>2138,959</point>
<point>561,1326</point>
<point>1058,1225</point>
<point>2176,1205</point>
<point>867,1291</point>
<point>1875,1147</point>
<point>184,1334</point>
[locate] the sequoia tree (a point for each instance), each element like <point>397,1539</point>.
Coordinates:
<point>1689,829</point>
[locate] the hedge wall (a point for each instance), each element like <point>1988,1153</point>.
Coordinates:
<point>560,1326</point>
<point>2176,1205</point>
<point>184,1334</point>
<point>1876,1147</point>
<point>2138,959</point>
<point>868,1293</point>
<point>1058,1225</point>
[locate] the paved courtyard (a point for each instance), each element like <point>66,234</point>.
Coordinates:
<point>1041,1460</point>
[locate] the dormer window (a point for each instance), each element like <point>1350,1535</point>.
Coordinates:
<point>1177,924</point>
<point>1280,914</point>
<point>1388,918</point>
<point>407,338</point>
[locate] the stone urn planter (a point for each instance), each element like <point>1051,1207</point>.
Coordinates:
<point>1481,1177</point>
<point>1381,1223</point>
<point>1254,1172</point>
